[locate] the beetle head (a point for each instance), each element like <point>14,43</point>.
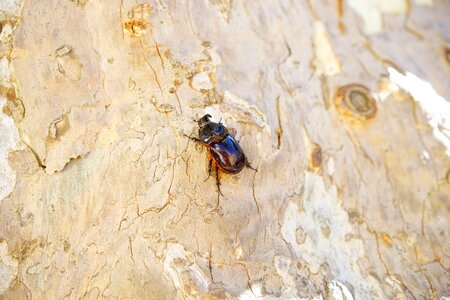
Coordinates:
<point>204,120</point>
<point>210,132</point>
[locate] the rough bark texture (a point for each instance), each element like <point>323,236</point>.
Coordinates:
<point>102,195</point>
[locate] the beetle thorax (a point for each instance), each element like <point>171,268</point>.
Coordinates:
<point>212,132</point>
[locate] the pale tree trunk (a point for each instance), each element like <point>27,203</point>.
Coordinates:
<point>103,196</point>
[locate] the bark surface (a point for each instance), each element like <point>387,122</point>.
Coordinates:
<point>103,196</point>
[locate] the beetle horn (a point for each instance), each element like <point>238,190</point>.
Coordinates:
<point>204,120</point>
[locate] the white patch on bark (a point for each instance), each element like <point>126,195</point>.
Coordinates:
<point>10,7</point>
<point>252,294</point>
<point>282,266</point>
<point>214,57</point>
<point>326,61</point>
<point>9,138</point>
<point>322,209</point>
<point>339,291</point>
<point>202,81</point>
<point>8,268</point>
<point>7,142</point>
<point>371,11</point>
<point>253,113</point>
<point>186,276</point>
<point>436,108</point>
<point>330,166</point>
<point>6,33</point>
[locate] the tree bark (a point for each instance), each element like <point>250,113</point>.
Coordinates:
<point>103,196</point>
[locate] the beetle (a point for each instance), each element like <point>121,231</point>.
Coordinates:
<point>224,152</point>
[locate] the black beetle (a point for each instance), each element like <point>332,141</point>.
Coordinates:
<point>224,152</point>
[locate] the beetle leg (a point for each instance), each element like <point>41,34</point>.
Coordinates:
<point>248,165</point>
<point>193,138</point>
<point>209,169</point>
<point>218,181</point>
